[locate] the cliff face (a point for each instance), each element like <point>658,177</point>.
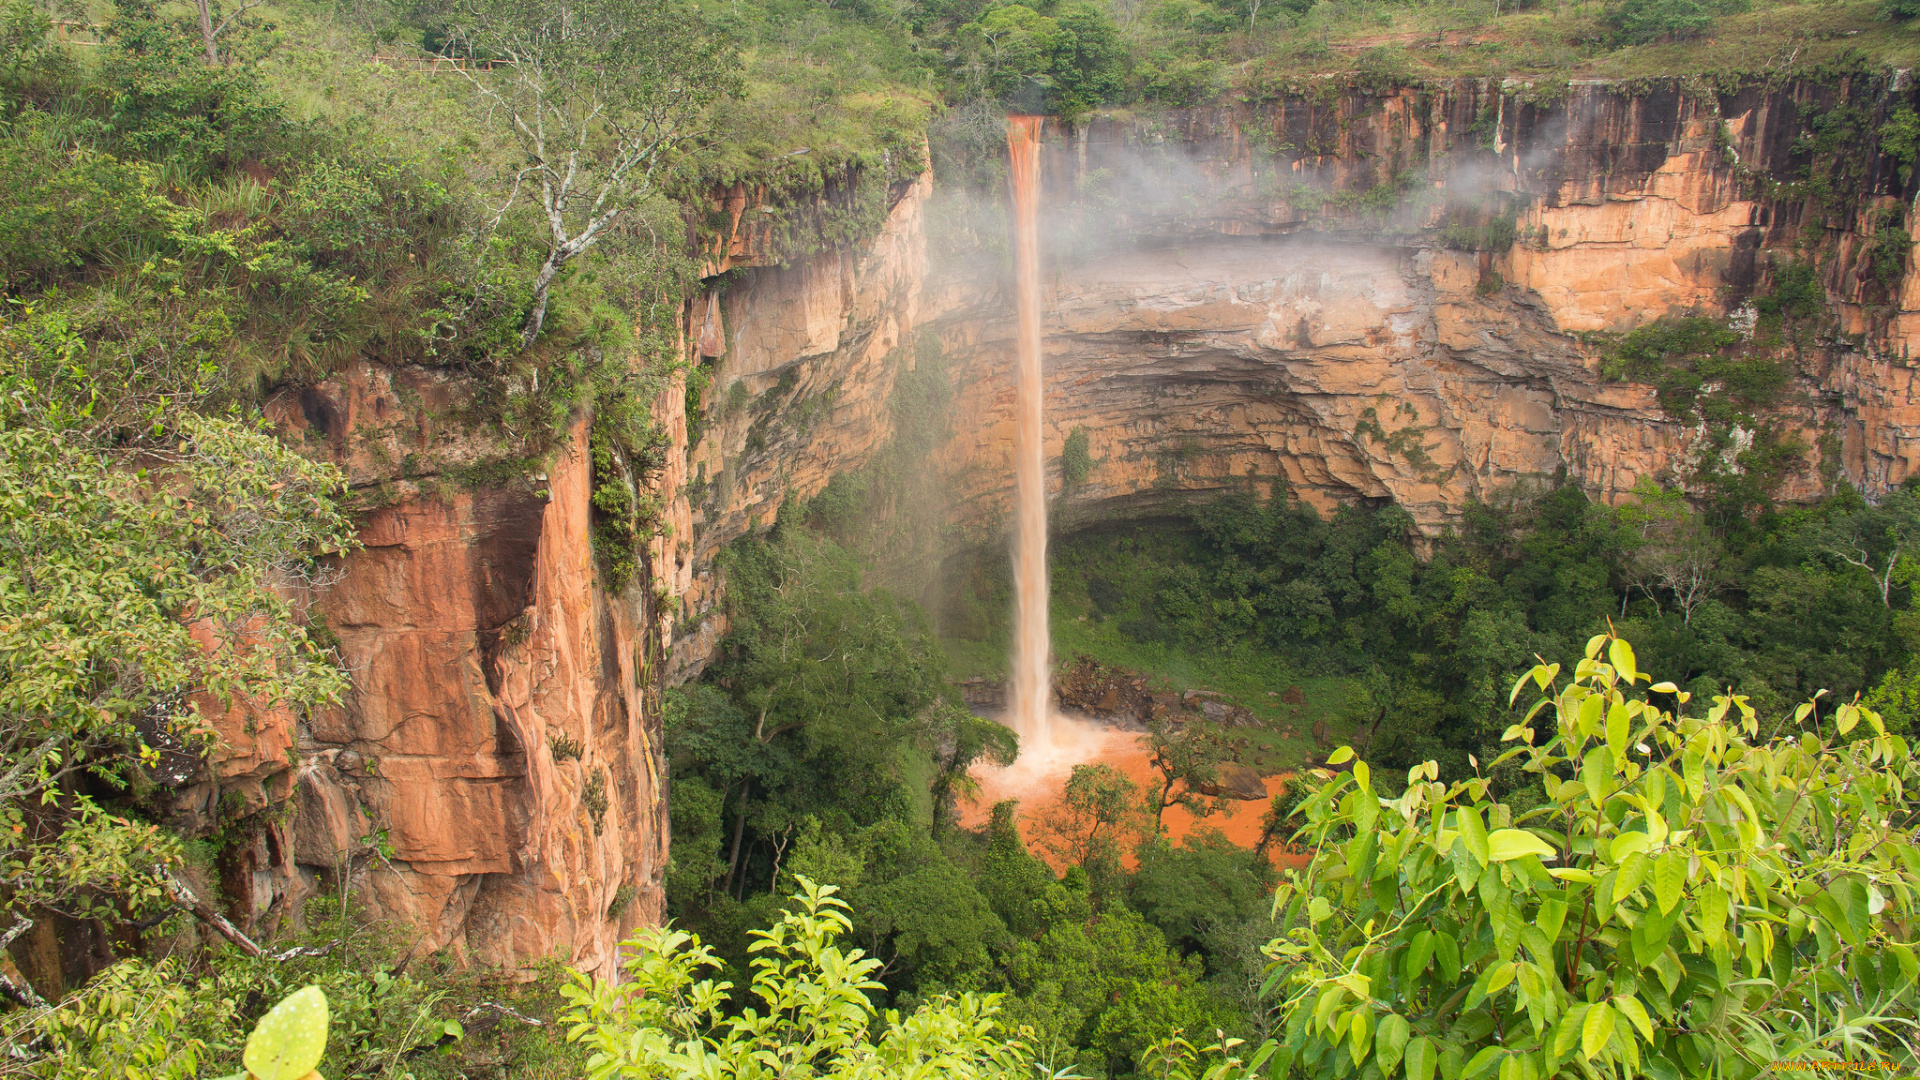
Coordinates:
<point>1376,295</point>
<point>1255,291</point>
<point>495,779</point>
<point>1283,307</point>
<point>807,357</point>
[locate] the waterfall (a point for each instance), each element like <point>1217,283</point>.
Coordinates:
<point>1030,711</point>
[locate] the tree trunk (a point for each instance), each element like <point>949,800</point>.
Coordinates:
<point>541,284</point>
<point>206,30</point>
<point>739,830</point>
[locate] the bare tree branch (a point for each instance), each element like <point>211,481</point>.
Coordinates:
<point>598,95</point>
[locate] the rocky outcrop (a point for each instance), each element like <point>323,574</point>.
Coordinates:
<point>495,779</point>
<point>1234,781</point>
<point>799,393</point>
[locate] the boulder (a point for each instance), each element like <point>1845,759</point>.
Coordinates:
<point>1235,781</point>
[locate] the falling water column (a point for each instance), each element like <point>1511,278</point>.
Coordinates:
<point>1032,640</point>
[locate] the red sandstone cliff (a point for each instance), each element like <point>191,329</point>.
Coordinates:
<point>496,779</point>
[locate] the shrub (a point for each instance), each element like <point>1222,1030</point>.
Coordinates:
<point>808,1011</point>
<point>1076,463</point>
<point>1637,22</point>
<point>1689,898</point>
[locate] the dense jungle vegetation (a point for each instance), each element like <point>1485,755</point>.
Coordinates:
<point>208,205</point>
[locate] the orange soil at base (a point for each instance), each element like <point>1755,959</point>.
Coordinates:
<point>1039,787</point>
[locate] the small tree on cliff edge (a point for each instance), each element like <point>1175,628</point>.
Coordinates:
<point>597,95</point>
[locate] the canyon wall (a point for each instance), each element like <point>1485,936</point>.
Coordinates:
<point>1279,290</point>
<point>1233,296</point>
<point>495,779</point>
<point>1286,304</point>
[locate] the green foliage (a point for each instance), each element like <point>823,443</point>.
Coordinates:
<point>1651,350</point>
<point>389,1015</point>
<point>1636,22</point>
<point>1709,375</point>
<point>624,510</point>
<point>832,709</point>
<point>1900,139</point>
<point>1099,818</point>
<point>1796,294</point>
<point>1064,64</point>
<point>1689,899</point>
<point>808,1013</point>
<point>130,601</point>
<point>133,1019</point>
<point>1076,463</point>
<point>1105,984</point>
<point>1202,891</point>
<point>1188,756</point>
<point>598,97</point>
<point>1887,259</point>
<point>288,1042</point>
<point>1487,223</point>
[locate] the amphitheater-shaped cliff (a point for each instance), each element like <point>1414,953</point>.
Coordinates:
<point>1375,294</point>
<point>1281,290</point>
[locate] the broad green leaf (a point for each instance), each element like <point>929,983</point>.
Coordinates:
<point>1587,717</point>
<point>1330,999</point>
<point>1572,873</point>
<point>1626,844</point>
<point>1531,986</point>
<point>1447,951</point>
<point>1359,1044</point>
<point>1713,912</point>
<point>1482,1062</point>
<point>1631,873</point>
<point>1499,977</point>
<point>1909,964</point>
<point>1595,1030</point>
<point>1617,731</point>
<point>1567,1036</point>
<point>1669,879</point>
<point>1340,756</point>
<point>1363,777</point>
<point>1420,1059</point>
<point>1517,684</point>
<point>1845,717</point>
<point>1596,772</point>
<point>1551,916</point>
<point>1390,1041</point>
<point>1473,832</point>
<point>1620,655</point>
<point>1419,954</point>
<point>1631,1008</point>
<point>1505,845</point>
<point>289,1041</point>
